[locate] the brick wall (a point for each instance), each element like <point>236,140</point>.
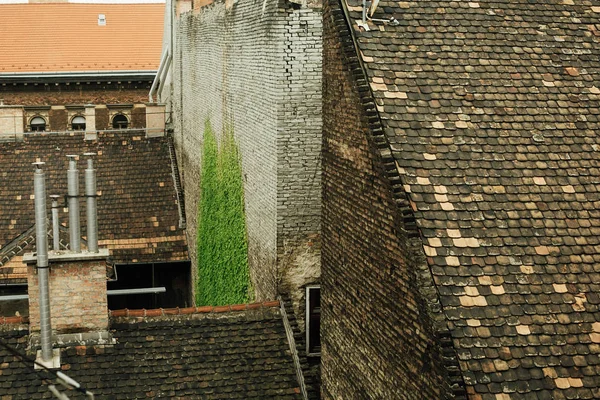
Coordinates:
<point>377,336</point>
<point>77,296</point>
<point>58,119</point>
<point>63,94</point>
<point>256,66</point>
<point>298,156</point>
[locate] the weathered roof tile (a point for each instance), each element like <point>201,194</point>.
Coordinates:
<point>491,110</point>
<point>135,215</point>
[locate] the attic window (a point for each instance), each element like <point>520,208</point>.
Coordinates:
<point>37,124</point>
<point>120,121</point>
<point>78,123</point>
<point>101,20</point>
<point>313,320</point>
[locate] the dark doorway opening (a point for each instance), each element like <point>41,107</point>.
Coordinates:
<point>174,277</point>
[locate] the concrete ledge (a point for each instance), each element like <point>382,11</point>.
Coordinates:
<point>66,256</point>
<point>74,339</point>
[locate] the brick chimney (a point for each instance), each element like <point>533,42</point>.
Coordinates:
<point>77,284</point>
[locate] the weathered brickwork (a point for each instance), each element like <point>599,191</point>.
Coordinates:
<point>255,68</point>
<point>77,296</point>
<point>52,94</point>
<point>59,119</point>
<point>298,156</point>
<point>377,336</point>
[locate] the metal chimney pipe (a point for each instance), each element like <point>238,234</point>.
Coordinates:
<point>55,223</point>
<point>73,195</point>
<point>91,210</point>
<point>41,242</point>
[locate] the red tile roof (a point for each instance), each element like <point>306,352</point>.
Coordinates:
<point>52,37</point>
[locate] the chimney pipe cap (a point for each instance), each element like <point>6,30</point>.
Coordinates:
<point>72,156</point>
<point>55,196</point>
<point>39,164</point>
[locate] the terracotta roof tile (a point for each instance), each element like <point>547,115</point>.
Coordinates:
<point>66,37</point>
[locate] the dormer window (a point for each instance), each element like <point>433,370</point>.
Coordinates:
<point>120,121</point>
<point>37,124</point>
<point>101,20</point>
<point>78,123</point>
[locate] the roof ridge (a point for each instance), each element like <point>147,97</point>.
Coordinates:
<point>161,312</point>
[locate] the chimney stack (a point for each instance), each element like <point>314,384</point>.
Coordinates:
<point>55,223</point>
<point>91,213</point>
<point>41,234</point>
<point>73,195</point>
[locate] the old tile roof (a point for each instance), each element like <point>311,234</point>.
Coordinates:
<point>490,109</point>
<point>209,353</point>
<point>138,210</point>
<point>66,37</point>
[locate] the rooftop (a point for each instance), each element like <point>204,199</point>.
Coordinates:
<point>491,111</point>
<point>43,38</point>
<point>138,210</point>
<point>234,352</point>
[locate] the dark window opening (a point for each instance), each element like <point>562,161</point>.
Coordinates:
<point>120,121</point>
<point>173,276</point>
<point>78,123</point>
<point>16,306</point>
<point>313,320</point>
<point>37,124</point>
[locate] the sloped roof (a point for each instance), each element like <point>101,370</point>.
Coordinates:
<point>138,211</point>
<point>66,37</point>
<point>211,353</point>
<point>491,111</point>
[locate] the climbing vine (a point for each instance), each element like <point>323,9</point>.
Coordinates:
<point>223,276</point>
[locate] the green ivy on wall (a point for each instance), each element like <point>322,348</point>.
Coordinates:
<point>223,276</point>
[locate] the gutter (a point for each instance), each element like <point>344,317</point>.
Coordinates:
<point>6,77</point>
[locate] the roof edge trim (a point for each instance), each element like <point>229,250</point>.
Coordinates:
<point>74,74</point>
<point>163,312</point>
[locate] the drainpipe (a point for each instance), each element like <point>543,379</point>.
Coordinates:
<point>55,223</point>
<point>91,213</point>
<point>154,87</point>
<point>41,242</point>
<point>73,195</point>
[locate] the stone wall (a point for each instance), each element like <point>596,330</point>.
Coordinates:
<point>254,66</point>
<point>378,339</point>
<point>11,121</point>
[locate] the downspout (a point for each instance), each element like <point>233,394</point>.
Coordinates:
<point>41,242</point>
<point>157,78</point>
<point>166,71</point>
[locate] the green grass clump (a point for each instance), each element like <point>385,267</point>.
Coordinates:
<point>223,276</point>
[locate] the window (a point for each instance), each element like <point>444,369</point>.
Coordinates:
<point>37,124</point>
<point>78,123</point>
<point>120,121</point>
<point>313,320</point>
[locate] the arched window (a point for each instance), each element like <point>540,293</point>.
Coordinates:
<point>120,121</point>
<point>37,124</point>
<point>78,123</point>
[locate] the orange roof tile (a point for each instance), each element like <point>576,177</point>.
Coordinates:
<point>66,37</point>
